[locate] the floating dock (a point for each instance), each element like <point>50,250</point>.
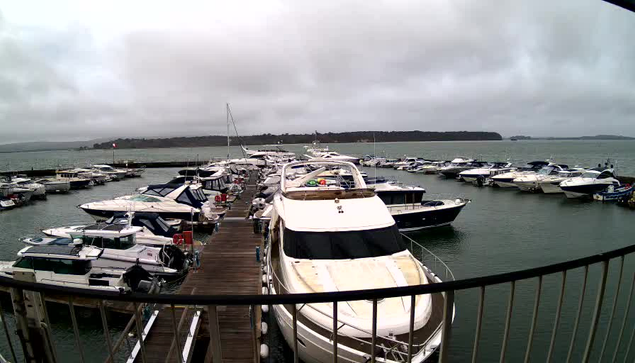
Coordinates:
<point>228,266</point>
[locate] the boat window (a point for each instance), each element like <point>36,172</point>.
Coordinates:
<point>546,170</point>
<point>184,199</point>
<point>605,175</point>
<point>144,198</point>
<point>590,174</point>
<point>70,267</point>
<point>24,262</point>
<point>342,245</point>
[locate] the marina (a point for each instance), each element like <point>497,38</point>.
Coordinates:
<point>229,267</point>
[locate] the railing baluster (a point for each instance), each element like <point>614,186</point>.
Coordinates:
<point>479,321</point>
<point>556,323</point>
<point>413,302</point>
<point>374,335</point>
<point>294,316</point>
<point>624,320</point>
<point>335,331</point>
<point>508,320</point>
<point>617,295</point>
<point>177,338</point>
<point>48,331</point>
<point>448,314</point>
<point>628,347</point>
<point>76,329</point>
<point>6,332</point>
<point>104,324</point>
<point>214,334</point>
<point>597,312</point>
<point>577,318</point>
<point>142,344</point>
<point>534,319</point>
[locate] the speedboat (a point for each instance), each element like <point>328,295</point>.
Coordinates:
<point>489,170</point>
<point>114,174</point>
<point>97,178</point>
<point>184,202</point>
<point>155,231</point>
<point>589,183</point>
<point>457,165</point>
<point>39,190</point>
<point>121,251</point>
<point>335,156</point>
<point>17,194</point>
<point>411,212</point>
<point>327,237</point>
<point>6,203</point>
<point>431,168</point>
<point>506,180</point>
<point>55,185</point>
<point>72,265</point>
<point>550,184</point>
<point>531,182</point>
<point>615,194</point>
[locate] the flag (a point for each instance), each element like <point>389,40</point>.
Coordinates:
<point>114,146</point>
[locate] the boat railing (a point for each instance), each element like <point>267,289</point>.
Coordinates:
<point>595,324</point>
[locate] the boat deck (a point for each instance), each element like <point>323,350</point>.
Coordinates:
<point>228,267</point>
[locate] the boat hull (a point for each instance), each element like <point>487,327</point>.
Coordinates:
<point>409,221</point>
<point>551,188</point>
<point>582,191</point>
<point>57,187</point>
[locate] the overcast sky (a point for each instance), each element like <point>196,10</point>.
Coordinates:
<point>92,69</point>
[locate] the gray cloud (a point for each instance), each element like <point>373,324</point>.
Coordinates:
<point>516,67</point>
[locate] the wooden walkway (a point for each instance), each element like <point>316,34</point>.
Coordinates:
<point>228,266</point>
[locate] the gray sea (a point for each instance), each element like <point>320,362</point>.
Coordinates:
<point>500,230</point>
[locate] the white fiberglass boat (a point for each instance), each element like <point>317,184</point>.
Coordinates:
<point>589,183</point>
<point>489,170</point>
<point>506,180</point>
<point>334,156</point>
<point>327,237</point>
<point>114,174</point>
<point>184,202</point>
<point>530,182</point>
<point>55,185</point>
<point>73,266</point>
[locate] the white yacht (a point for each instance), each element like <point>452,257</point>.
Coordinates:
<point>506,180</point>
<point>431,168</point>
<point>328,237</point>
<point>154,230</point>
<point>457,165</point>
<point>589,183</point>
<point>184,202</point>
<point>489,170</point>
<point>551,184</point>
<point>121,251</point>
<point>72,266</point>
<point>334,156</point>
<point>39,190</point>
<point>530,182</point>
<point>55,185</point>
<point>76,178</point>
<point>114,174</point>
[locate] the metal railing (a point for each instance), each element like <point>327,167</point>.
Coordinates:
<point>618,335</point>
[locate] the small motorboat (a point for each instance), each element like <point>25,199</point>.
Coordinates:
<point>39,190</point>
<point>614,194</point>
<point>506,180</point>
<point>6,203</point>
<point>77,179</point>
<point>114,174</point>
<point>489,170</point>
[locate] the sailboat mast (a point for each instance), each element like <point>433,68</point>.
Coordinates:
<point>227,110</point>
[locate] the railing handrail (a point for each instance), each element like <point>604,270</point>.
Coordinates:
<point>321,297</point>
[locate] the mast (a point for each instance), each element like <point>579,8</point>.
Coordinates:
<point>227,110</point>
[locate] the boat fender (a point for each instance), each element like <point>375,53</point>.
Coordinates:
<point>264,308</point>
<point>264,351</point>
<point>264,328</point>
<point>264,279</point>
<point>265,291</point>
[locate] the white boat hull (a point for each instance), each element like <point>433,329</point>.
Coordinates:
<point>550,188</point>
<point>504,184</point>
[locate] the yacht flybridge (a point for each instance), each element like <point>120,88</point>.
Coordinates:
<point>334,234</point>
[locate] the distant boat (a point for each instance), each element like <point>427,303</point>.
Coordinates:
<point>514,139</point>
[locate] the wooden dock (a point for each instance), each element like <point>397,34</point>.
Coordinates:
<point>228,266</point>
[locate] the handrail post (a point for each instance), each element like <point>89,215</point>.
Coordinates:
<point>508,320</point>
<point>374,334</point>
<point>335,331</point>
<point>448,312</point>
<point>214,334</point>
<point>294,317</point>
<point>597,312</point>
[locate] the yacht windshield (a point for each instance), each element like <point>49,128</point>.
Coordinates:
<point>343,245</point>
<point>590,174</point>
<point>546,170</point>
<point>144,198</point>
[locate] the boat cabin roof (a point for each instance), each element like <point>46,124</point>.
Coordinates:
<point>110,230</point>
<point>65,252</point>
<point>186,194</point>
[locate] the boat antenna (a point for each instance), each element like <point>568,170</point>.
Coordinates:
<point>227,112</point>
<point>231,117</point>
<point>375,156</point>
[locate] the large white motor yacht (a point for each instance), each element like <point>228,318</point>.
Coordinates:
<point>506,180</point>
<point>489,170</point>
<point>328,237</point>
<point>335,156</point>
<point>114,174</point>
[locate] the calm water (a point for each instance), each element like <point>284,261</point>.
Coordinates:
<point>501,230</point>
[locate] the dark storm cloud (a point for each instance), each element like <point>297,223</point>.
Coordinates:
<point>516,67</point>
